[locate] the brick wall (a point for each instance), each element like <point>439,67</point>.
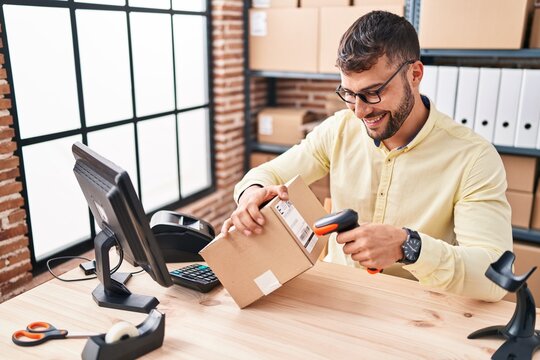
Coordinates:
<point>15,263</point>
<point>305,94</point>
<point>228,92</point>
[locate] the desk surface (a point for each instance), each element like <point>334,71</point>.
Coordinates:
<point>329,312</point>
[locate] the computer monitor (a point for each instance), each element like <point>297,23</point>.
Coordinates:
<point>119,213</point>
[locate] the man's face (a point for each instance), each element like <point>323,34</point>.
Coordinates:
<point>384,119</point>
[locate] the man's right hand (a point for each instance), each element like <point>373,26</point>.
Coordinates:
<point>247,216</point>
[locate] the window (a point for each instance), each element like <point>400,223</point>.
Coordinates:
<point>131,79</point>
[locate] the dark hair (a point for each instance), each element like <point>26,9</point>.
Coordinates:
<point>376,34</point>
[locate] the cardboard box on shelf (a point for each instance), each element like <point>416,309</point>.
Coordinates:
<point>527,256</point>
<point>520,172</point>
<point>282,126</point>
<point>333,23</point>
<point>321,3</point>
<point>309,126</point>
<point>535,217</point>
<point>333,104</point>
<point>283,39</point>
<point>521,204</point>
<point>534,40</point>
<point>479,24</point>
<point>376,3</point>
<point>254,266</point>
<point>264,4</point>
<point>259,158</point>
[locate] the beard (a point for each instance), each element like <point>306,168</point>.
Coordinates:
<point>396,118</point>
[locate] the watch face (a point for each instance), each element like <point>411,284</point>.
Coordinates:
<point>411,248</point>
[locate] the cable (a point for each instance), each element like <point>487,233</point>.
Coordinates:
<point>121,254</point>
<point>67,258</point>
<point>137,272</point>
<point>113,270</point>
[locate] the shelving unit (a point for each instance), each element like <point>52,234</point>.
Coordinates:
<point>292,75</point>
<point>528,235</point>
<point>483,54</point>
<point>519,58</point>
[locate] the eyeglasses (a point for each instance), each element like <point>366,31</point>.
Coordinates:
<point>369,97</point>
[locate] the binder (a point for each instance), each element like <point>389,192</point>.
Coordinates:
<point>507,107</point>
<point>446,89</point>
<point>486,102</point>
<point>428,85</point>
<point>528,110</point>
<point>467,91</point>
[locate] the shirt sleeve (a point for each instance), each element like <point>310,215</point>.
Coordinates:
<point>483,232</point>
<point>310,159</point>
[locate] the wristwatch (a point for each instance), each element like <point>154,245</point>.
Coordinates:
<point>411,247</point>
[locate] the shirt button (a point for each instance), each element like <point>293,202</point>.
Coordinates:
<point>381,194</point>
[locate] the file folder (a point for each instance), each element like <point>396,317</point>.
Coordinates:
<point>446,89</point>
<point>486,102</point>
<point>528,110</point>
<point>428,86</point>
<point>507,107</point>
<point>467,91</point>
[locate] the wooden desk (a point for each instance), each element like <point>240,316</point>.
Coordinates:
<point>329,312</point>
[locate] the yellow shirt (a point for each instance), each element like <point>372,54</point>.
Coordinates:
<point>448,184</point>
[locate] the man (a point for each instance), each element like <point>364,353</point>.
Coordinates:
<point>430,193</point>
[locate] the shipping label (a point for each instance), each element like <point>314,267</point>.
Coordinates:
<point>297,224</point>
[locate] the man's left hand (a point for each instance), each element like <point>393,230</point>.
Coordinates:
<point>373,245</point>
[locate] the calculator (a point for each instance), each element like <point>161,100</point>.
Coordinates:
<point>196,276</point>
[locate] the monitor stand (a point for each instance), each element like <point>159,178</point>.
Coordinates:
<point>113,293</point>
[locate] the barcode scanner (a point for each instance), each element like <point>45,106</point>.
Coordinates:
<point>343,220</point>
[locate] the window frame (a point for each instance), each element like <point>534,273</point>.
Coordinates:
<point>87,244</point>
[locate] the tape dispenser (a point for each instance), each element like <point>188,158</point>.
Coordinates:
<point>126,341</point>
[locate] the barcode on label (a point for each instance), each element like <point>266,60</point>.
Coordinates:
<point>305,234</point>
<point>297,224</point>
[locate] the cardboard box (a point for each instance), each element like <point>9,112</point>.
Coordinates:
<point>323,182</point>
<point>259,158</point>
<point>527,256</point>
<point>282,126</point>
<point>321,192</point>
<point>376,3</point>
<point>283,39</point>
<point>321,3</point>
<point>521,204</point>
<point>321,188</point>
<point>535,217</point>
<point>333,104</point>
<point>520,172</point>
<point>252,267</point>
<point>478,24</point>
<point>534,41</point>
<point>264,4</point>
<point>333,23</point>
<point>309,126</point>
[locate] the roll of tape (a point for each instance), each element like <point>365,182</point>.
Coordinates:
<point>121,331</point>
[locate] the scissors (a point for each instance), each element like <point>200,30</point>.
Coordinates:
<point>39,332</point>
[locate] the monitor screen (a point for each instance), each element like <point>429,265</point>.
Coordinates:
<point>119,213</point>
